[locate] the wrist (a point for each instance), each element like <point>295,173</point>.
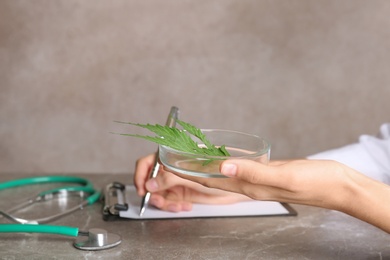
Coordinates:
<point>363,198</point>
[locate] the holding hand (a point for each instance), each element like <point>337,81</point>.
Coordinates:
<point>172,193</point>
<point>321,183</point>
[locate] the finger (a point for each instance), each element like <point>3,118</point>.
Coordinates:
<point>141,174</point>
<point>277,163</point>
<point>250,171</point>
<point>226,198</point>
<point>165,204</point>
<point>226,184</point>
<point>191,182</point>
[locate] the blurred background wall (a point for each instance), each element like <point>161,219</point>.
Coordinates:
<point>306,75</point>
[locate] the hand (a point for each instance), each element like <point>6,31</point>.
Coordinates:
<point>172,193</point>
<point>321,183</point>
<point>298,181</point>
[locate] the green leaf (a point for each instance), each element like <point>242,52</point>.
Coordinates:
<point>180,139</point>
<point>196,132</point>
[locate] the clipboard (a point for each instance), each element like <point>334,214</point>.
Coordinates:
<point>122,201</point>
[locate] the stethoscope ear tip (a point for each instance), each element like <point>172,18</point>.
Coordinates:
<point>97,239</point>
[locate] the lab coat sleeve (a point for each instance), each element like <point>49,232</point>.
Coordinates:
<point>370,155</point>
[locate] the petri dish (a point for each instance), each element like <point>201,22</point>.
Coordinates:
<point>239,145</point>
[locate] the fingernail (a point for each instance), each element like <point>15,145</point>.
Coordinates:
<point>187,207</point>
<point>152,185</point>
<point>229,169</point>
<point>172,208</point>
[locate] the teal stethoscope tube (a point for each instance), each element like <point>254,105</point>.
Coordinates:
<point>86,185</point>
<point>32,228</point>
<point>82,185</point>
<point>44,179</point>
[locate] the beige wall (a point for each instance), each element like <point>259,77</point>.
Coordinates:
<point>307,75</point>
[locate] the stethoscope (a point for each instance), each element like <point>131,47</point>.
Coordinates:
<point>94,239</point>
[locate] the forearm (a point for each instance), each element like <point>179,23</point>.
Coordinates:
<point>320,183</point>
<point>368,200</point>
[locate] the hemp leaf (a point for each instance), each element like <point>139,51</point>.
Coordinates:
<point>180,139</point>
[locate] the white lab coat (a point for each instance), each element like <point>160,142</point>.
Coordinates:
<point>370,155</point>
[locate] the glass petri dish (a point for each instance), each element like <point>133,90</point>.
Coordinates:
<point>239,145</point>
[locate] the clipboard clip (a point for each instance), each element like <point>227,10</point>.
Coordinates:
<point>114,200</point>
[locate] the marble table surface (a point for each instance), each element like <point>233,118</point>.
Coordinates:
<point>313,234</point>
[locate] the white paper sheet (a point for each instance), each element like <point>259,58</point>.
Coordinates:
<point>248,208</point>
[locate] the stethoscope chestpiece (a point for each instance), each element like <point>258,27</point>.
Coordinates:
<point>97,239</point>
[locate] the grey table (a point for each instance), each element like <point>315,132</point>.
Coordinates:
<point>313,234</point>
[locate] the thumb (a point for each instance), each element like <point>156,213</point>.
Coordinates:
<point>247,170</point>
